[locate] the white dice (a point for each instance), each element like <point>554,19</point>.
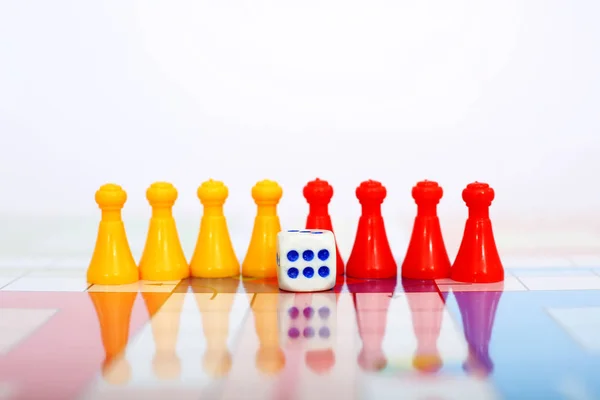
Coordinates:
<point>306,260</point>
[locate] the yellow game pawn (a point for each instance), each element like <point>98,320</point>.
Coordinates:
<point>163,258</point>
<point>112,262</point>
<point>214,256</point>
<point>260,261</point>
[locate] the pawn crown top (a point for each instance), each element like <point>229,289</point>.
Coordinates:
<point>371,191</point>
<point>478,194</point>
<point>161,194</point>
<point>427,191</point>
<point>318,191</point>
<point>212,192</point>
<point>111,196</point>
<point>267,192</point>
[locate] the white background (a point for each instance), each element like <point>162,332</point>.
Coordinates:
<point>398,91</point>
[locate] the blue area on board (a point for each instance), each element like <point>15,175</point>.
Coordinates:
<point>531,355</point>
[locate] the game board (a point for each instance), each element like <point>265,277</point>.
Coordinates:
<point>533,333</point>
<point>533,336</point>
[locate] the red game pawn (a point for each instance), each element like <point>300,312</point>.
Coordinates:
<point>318,194</point>
<point>426,257</point>
<point>371,256</point>
<point>478,260</point>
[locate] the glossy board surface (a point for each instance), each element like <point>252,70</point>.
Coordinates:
<point>533,336</point>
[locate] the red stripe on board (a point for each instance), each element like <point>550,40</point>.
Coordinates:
<point>61,358</point>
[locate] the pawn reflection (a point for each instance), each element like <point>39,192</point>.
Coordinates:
<point>320,355</point>
<point>478,312</point>
<point>214,298</point>
<point>320,361</point>
<point>114,316</point>
<point>165,318</point>
<point>371,300</point>
<point>263,296</point>
<point>270,359</point>
<point>427,310</point>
